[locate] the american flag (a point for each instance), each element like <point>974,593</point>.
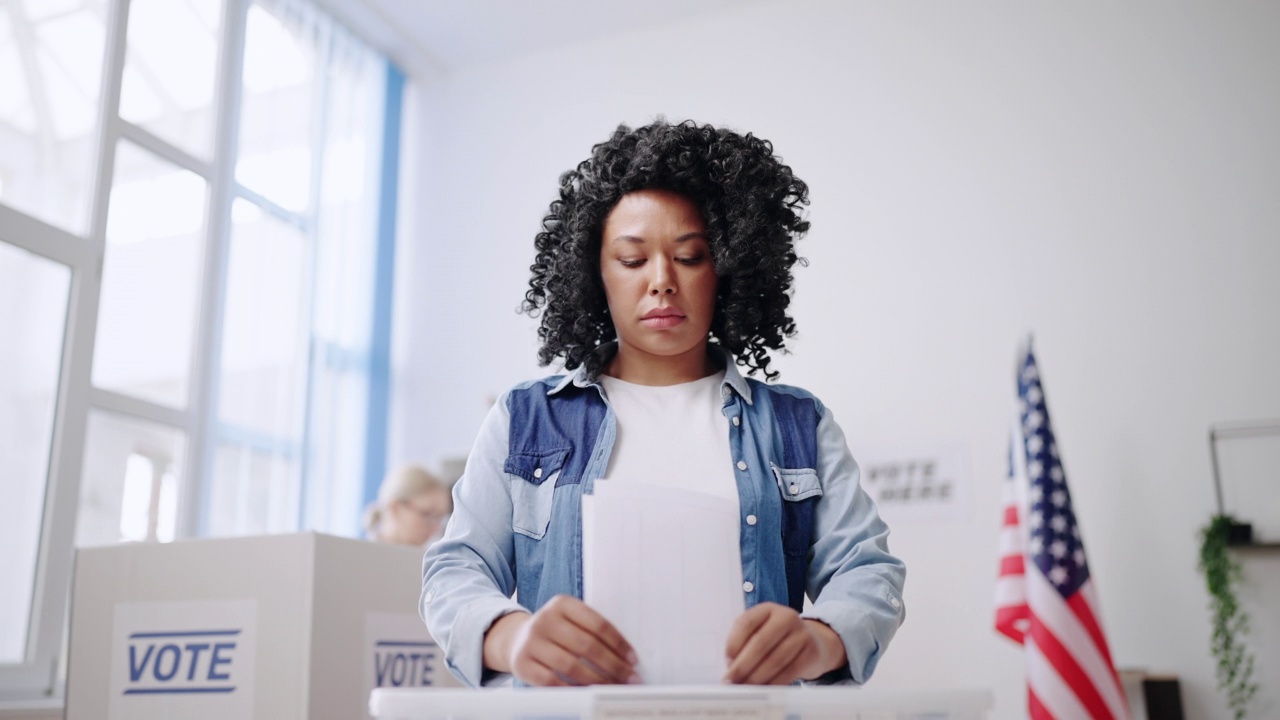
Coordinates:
<point>1045,600</point>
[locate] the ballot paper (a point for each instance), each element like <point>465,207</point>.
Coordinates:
<point>664,567</point>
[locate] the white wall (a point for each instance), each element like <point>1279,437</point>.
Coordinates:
<point>1103,175</point>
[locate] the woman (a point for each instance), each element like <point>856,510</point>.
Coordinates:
<point>664,264</point>
<point>411,507</point>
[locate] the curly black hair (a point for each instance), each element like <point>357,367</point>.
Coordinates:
<point>750,202</point>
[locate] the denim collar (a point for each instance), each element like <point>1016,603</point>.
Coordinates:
<point>732,378</point>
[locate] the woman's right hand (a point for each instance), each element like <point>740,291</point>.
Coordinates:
<point>564,643</point>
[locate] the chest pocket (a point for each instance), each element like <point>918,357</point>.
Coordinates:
<point>797,485</point>
<point>800,490</point>
<point>533,482</point>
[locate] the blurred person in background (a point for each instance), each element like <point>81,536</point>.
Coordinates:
<point>411,508</point>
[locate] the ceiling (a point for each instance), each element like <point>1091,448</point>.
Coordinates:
<point>455,33</point>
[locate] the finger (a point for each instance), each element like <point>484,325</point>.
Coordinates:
<point>761,662</point>
<point>791,672</point>
<point>558,630</point>
<point>585,646</point>
<point>774,665</point>
<point>758,646</point>
<point>539,675</point>
<point>585,617</point>
<point>744,627</point>
<point>569,666</point>
<point>763,627</point>
<point>600,642</point>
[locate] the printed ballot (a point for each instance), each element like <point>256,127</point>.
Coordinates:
<point>664,566</point>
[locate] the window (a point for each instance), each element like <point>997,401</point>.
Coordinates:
<point>50,87</point>
<point>33,309</point>
<point>195,236</point>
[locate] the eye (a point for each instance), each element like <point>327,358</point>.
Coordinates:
<point>631,263</point>
<point>692,260</point>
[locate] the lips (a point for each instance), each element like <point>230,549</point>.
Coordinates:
<point>662,317</point>
<point>660,312</point>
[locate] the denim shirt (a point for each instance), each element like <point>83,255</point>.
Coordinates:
<point>806,524</point>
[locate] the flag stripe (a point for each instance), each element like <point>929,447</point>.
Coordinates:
<point>1011,593</point>
<point>1008,622</point>
<point>1084,613</point>
<point>1011,596</point>
<point>1011,543</point>
<point>1051,690</point>
<point>1066,666</point>
<point>1012,565</point>
<point>1051,610</point>
<point>1082,604</point>
<point>1036,709</point>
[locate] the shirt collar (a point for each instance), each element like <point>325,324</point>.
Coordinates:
<point>732,378</point>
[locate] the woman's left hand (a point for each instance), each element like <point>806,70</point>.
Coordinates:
<point>770,644</point>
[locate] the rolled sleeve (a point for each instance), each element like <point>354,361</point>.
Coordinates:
<point>854,582</point>
<point>473,621</point>
<point>468,576</point>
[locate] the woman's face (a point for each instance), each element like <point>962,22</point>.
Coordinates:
<point>659,279</point>
<point>418,519</point>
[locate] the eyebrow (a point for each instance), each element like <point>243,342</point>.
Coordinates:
<point>683,238</point>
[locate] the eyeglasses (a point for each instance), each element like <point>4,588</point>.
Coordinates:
<point>427,516</point>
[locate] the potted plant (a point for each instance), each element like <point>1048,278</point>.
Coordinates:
<point>1222,576</point>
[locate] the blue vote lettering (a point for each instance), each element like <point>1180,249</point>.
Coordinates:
<point>218,659</point>
<point>162,662</point>
<point>176,653</point>
<point>136,669</point>
<point>398,668</point>
<point>196,649</point>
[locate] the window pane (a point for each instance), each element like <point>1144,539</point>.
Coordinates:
<point>169,70</point>
<point>132,474</point>
<point>276,110</point>
<point>346,234</point>
<point>151,278</point>
<point>33,313</point>
<point>339,412</point>
<point>263,379</point>
<point>51,58</point>
<point>347,229</point>
<point>254,491</point>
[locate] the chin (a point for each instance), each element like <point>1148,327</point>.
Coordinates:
<point>670,344</point>
<point>665,351</point>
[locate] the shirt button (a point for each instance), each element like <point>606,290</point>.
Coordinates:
<point>428,597</point>
<point>737,421</point>
<point>896,603</point>
<point>537,472</point>
<point>742,465</point>
<point>795,489</point>
<point>747,586</point>
<point>751,519</point>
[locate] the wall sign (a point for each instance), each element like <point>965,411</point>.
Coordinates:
<point>921,483</point>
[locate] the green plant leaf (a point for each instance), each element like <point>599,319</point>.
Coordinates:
<point>1222,575</point>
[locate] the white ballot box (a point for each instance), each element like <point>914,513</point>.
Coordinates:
<point>276,627</point>
<point>686,702</point>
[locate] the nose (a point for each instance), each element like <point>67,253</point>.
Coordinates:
<point>663,280</point>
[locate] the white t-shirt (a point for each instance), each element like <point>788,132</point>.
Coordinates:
<point>673,436</point>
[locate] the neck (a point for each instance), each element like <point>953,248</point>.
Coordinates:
<point>636,366</point>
